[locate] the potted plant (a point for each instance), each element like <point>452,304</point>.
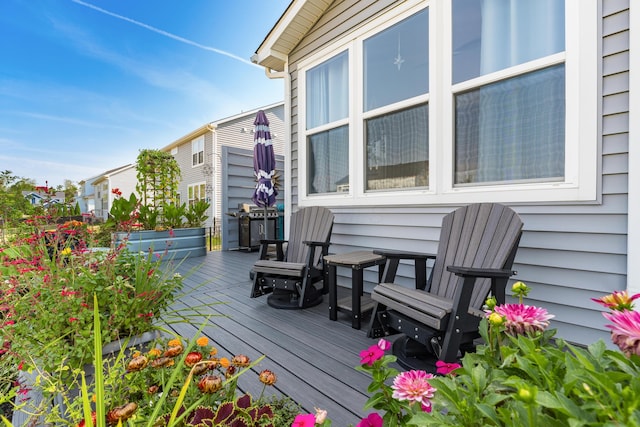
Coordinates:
<point>155,219</point>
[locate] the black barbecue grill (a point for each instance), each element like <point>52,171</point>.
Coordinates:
<point>251,225</point>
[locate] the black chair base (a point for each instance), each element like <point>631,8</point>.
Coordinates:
<point>285,300</point>
<point>413,356</point>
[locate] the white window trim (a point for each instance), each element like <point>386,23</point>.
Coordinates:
<point>582,153</point>
<point>194,143</point>
<point>196,185</point>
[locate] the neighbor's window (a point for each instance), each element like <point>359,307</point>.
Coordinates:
<point>512,129</point>
<point>196,192</point>
<point>327,111</point>
<point>396,72</point>
<point>197,151</point>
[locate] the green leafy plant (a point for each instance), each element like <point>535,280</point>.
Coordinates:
<point>48,288</point>
<point>158,175</point>
<point>123,214</point>
<point>196,215</point>
<point>156,207</point>
<point>174,214</point>
<point>148,218</point>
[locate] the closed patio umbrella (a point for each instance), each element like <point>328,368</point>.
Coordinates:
<point>264,166</point>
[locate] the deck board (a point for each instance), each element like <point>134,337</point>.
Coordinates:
<point>313,357</point>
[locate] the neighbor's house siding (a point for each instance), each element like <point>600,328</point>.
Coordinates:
<point>569,253</point>
<point>124,179</point>
<point>193,174</point>
<point>235,132</point>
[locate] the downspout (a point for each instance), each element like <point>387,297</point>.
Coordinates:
<point>214,170</point>
<point>287,137</point>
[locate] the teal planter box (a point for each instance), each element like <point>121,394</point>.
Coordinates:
<point>171,244</point>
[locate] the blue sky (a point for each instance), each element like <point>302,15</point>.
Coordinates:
<point>86,84</point>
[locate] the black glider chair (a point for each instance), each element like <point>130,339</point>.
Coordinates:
<point>290,278</point>
<point>441,316</point>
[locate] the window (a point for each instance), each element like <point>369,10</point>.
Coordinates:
<point>197,151</point>
<point>197,192</point>
<point>397,142</point>
<point>328,138</point>
<point>454,101</point>
<point>512,129</point>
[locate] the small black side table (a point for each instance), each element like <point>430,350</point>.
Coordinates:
<point>357,261</point>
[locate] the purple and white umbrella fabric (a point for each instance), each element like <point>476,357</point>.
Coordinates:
<point>264,165</point>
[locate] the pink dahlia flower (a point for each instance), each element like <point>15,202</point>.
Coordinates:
<point>414,386</point>
<point>523,319</point>
<point>625,331</point>
<point>619,300</point>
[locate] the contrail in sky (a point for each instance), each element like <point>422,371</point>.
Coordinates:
<point>165,33</point>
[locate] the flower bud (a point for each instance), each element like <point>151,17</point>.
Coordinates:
<point>519,288</point>
<point>496,319</point>
<point>321,416</point>
<point>137,364</point>
<point>210,384</point>
<point>267,377</point>
<point>491,302</point>
<point>240,361</point>
<point>527,394</point>
<point>192,358</point>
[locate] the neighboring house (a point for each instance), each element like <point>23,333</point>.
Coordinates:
<point>44,196</point>
<point>122,178</point>
<point>86,200</point>
<point>399,111</point>
<point>199,155</point>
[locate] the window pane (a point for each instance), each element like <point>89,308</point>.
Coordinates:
<point>512,130</point>
<point>396,62</point>
<point>328,161</point>
<point>398,149</point>
<point>328,91</point>
<point>491,35</point>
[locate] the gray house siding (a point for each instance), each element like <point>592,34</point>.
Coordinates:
<point>236,131</point>
<point>190,174</point>
<point>569,253</point>
<point>239,183</point>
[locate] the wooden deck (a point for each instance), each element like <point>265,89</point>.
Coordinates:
<point>313,357</point>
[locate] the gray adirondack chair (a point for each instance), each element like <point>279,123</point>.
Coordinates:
<point>441,316</point>
<point>291,277</point>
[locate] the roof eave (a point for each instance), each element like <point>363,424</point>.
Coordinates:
<point>190,136</point>
<point>291,28</point>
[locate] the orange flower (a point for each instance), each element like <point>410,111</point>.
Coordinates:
<point>213,351</point>
<point>174,342</point>
<point>202,341</point>
<point>224,362</point>
<point>154,352</point>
